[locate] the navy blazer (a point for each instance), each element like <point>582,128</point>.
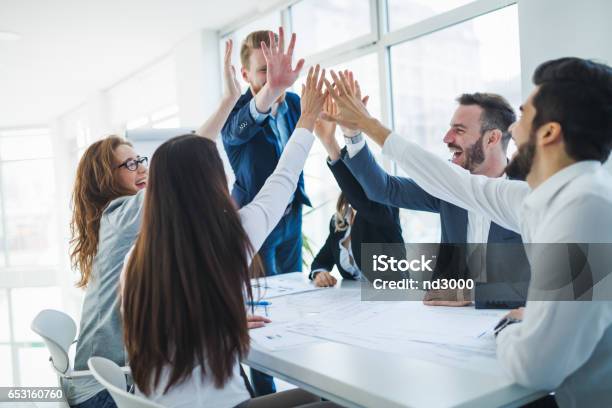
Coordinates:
<point>504,263</point>
<point>374,223</point>
<point>253,150</point>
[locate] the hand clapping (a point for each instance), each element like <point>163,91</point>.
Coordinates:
<point>347,96</point>
<point>313,98</point>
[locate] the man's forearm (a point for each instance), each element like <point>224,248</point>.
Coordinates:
<point>265,98</point>
<point>375,130</point>
<point>213,125</point>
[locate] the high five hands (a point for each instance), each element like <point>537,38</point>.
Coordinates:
<point>346,93</point>
<point>313,98</point>
<point>352,114</point>
<point>325,127</point>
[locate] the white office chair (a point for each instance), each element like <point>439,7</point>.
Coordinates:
<point>58,331</point>
<point>112,378</point>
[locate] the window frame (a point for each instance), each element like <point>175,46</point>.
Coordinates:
<point>378,41</point>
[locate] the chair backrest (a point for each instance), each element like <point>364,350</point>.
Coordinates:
<point>109,374</point>
<point>58,331</point>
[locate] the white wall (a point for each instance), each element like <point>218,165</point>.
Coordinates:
<point>196,60</point>
<point>198,83</point>
<point>551,29</point>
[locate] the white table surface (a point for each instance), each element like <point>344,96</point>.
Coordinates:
<point>358,377</point>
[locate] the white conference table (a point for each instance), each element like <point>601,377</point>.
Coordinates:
<point>358,377</point>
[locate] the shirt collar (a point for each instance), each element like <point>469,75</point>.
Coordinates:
<point>544,193</point>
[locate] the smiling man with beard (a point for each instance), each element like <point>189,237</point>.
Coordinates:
<point>564,135</point>
<point>478,139</point>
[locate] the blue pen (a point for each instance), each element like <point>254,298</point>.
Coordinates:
<point>263,303</point>
<point>258,303</point>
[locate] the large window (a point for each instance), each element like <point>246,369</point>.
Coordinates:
<point>405,12</point>
<point>23,350</point>
<point>413,57</point>
<point>27,208</point>
<point>28,251</point>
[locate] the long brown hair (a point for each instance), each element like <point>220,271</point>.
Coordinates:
<point>94,188</point>
<point>187,281</point>
<point>344,213</point>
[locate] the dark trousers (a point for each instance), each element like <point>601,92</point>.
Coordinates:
<point>544,402</point>
<point>101,400</point>
<point>280,253</point>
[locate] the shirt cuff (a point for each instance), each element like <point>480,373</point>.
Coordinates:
<point>353,149</point>
<point>332,162</point>
<point>255,114</point>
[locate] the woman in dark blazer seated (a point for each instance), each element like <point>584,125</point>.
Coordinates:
<point>357,220</point>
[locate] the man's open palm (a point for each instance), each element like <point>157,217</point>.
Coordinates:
<point>280,74</point>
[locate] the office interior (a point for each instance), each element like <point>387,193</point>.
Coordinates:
<point>73,72</point>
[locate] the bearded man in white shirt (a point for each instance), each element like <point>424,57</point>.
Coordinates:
<point>563,137</point>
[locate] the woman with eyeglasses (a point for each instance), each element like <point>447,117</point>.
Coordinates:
<point>107,202</point>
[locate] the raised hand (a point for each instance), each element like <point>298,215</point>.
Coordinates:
<point>351,109</point>
<point>354,85</point>
<point>280,74</point>
<point>231,87</point>
<point>231,92</point>
<point>326,129</point>
<point>313,98</point>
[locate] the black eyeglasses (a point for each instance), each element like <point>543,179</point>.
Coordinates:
<point>132,164</point>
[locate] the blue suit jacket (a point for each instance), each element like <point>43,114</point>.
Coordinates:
<point>253,150</point>
<point>505,263</point>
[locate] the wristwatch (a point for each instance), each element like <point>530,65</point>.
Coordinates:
<point>353,140</point>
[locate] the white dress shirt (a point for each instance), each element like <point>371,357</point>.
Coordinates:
<point>347,260</point>
<point>259,218</point>
<point>564,346</point>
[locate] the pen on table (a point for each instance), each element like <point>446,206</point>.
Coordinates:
<point>503,323</point>
<point>499,326</point>
<point>263,303</point>
<point>258,303</point>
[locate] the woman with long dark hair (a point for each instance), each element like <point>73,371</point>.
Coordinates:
<point>187,280</point>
